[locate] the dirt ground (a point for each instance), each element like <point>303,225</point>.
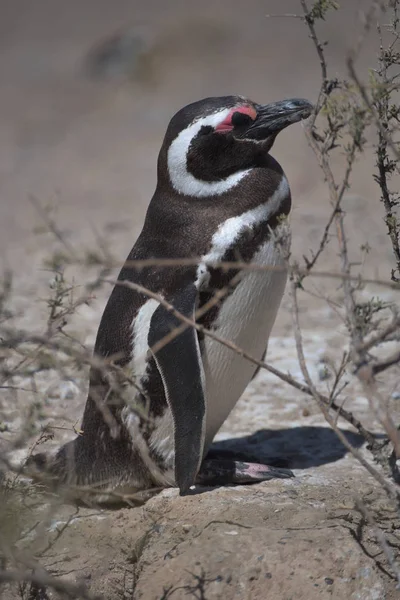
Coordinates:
<point>86,148</point>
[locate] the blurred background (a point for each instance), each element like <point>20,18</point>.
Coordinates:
<point>87,89</point>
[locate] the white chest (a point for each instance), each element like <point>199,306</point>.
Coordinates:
<point>245,318</point>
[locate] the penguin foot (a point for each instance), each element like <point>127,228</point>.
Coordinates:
<point>226,471</point>
<point>248,457</point>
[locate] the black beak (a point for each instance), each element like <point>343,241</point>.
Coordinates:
<point>272,118</point>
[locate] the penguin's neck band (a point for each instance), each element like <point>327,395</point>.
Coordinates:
<point>230,230</point>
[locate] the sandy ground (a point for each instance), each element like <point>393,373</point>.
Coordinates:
<point>86,149</point>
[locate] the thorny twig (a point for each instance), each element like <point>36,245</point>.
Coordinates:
<point>358,352</point>
<point>392,491</point>
<point>359,349</point>
<point>385,115</point>
<point>262,364</point>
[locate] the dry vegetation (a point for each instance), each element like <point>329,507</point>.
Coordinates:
<point>349,115</point>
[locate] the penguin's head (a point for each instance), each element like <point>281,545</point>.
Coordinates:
<point>213,143</point>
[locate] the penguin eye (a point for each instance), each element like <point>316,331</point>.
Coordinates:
<point>242,116</point>
<point>241,119</point>
<point>205,130</point>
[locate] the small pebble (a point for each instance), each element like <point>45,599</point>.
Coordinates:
<point>323,372</point>
<point>65,390</point>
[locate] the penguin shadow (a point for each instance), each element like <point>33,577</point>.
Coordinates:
<point>291,448</point>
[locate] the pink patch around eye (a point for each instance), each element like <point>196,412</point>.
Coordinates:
<point>226,124</point>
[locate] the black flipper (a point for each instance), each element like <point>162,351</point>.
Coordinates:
<point>180,365</point>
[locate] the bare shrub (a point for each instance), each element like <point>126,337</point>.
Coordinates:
<point>349,114</point>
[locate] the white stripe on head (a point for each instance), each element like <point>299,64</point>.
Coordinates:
<point>230,230</point>
<point>183,181</point>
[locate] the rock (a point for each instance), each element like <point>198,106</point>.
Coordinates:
<point>299,539</point>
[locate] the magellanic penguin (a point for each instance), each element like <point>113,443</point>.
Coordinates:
<point>220,196</point>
